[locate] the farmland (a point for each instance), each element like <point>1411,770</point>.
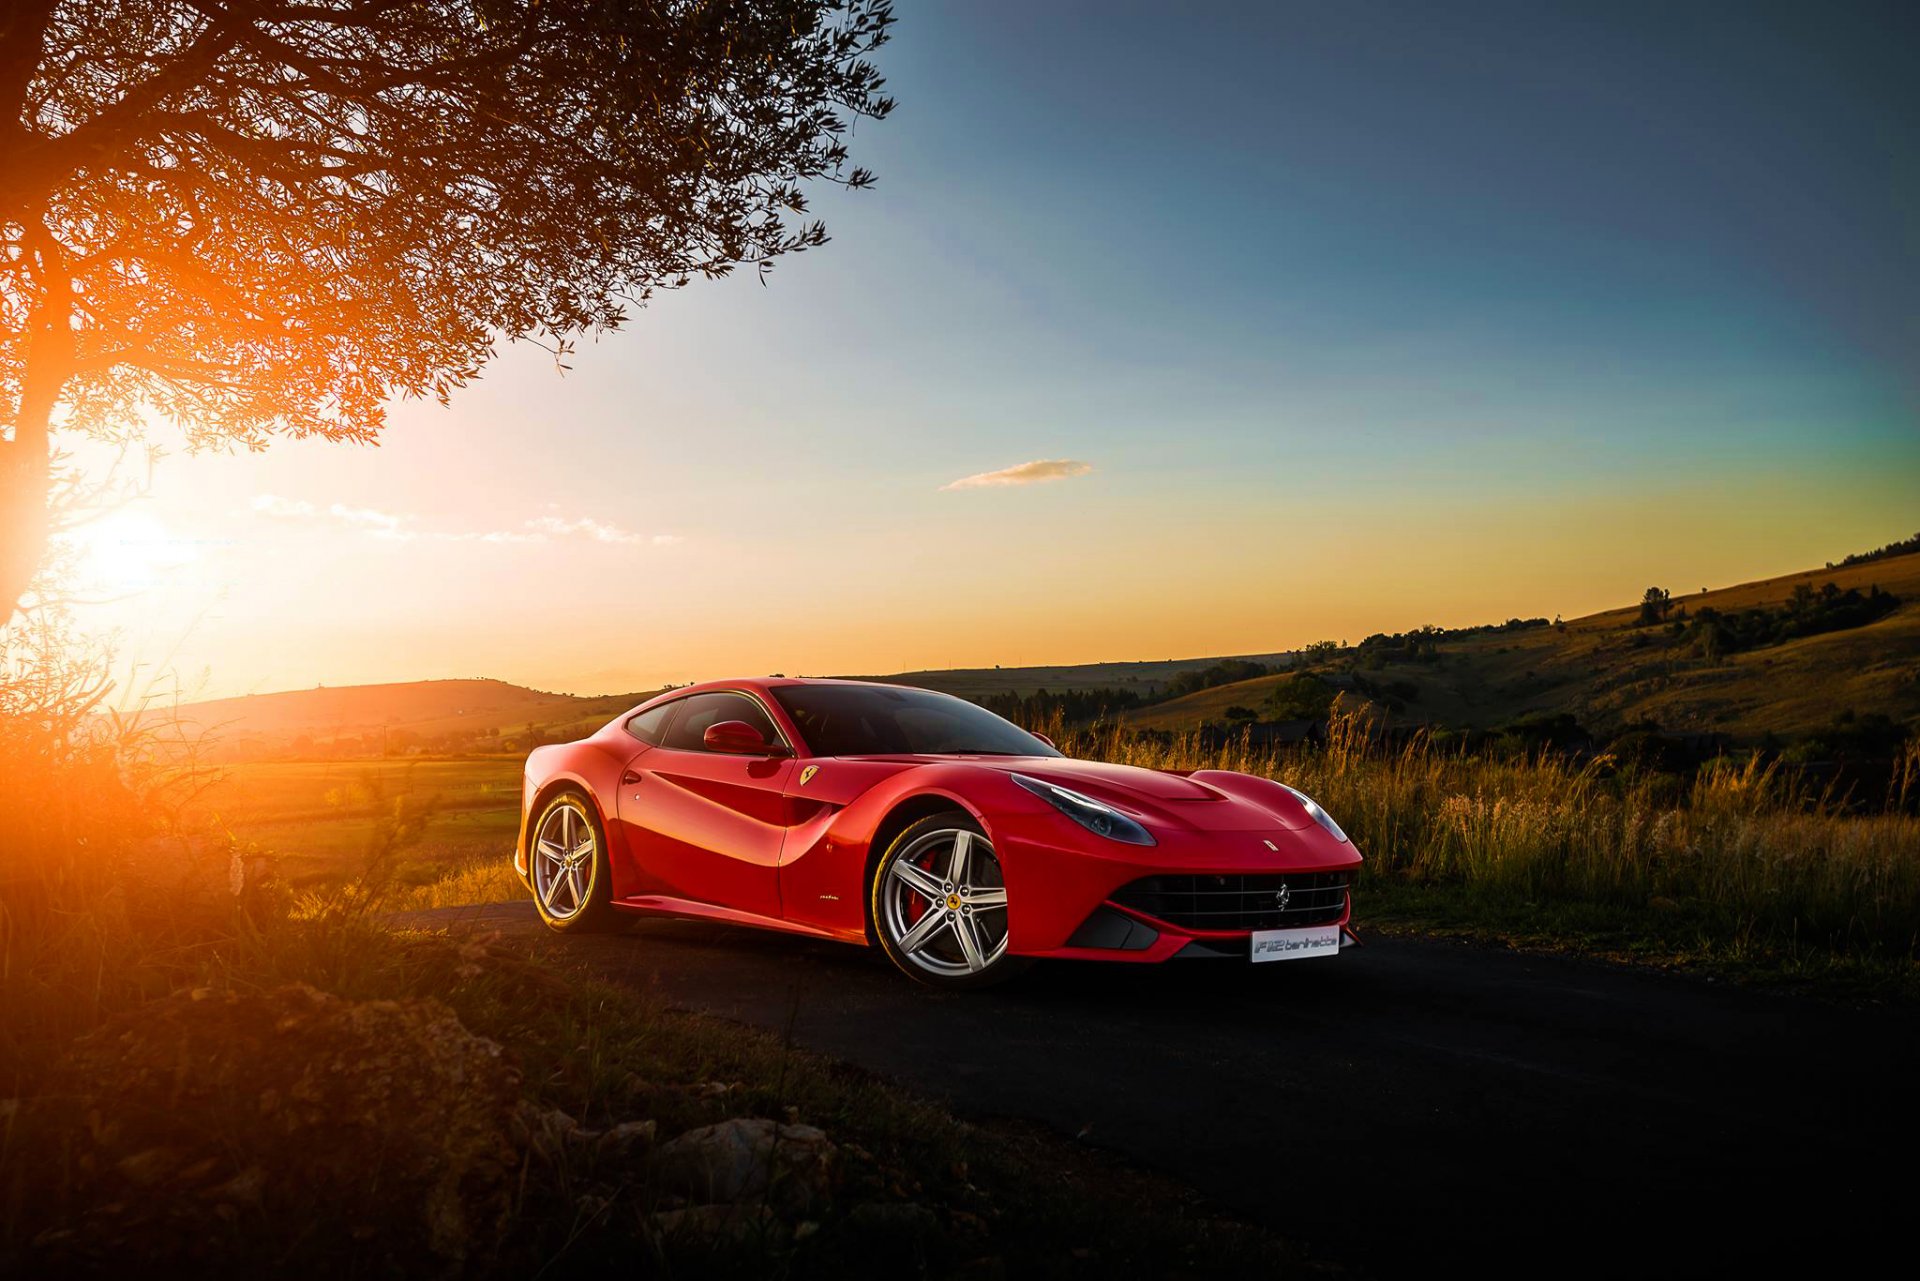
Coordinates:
<point>322,821</point>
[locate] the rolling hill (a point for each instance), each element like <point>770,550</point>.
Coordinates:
<point>1603,669</point>
<point>1607,672</point>
<point>378,719</point>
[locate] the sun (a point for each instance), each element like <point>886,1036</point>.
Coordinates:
<point>126,552</point>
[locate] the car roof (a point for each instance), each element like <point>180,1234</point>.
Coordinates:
<point>764,683</point>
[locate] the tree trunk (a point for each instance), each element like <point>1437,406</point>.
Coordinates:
<point>24,520</point>
<point>26,473</point>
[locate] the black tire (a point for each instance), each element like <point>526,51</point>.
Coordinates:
<point>923,835</point>
<point>594,912</point>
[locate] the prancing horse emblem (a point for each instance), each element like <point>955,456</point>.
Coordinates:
<point>806,775</point>
<point>1282,896</point>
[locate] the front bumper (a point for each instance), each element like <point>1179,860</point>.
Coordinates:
<point>1063,887</point>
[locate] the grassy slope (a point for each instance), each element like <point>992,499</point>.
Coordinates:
<point>1595,670</point>
<point>1202,706</point>
<point>425,708</point>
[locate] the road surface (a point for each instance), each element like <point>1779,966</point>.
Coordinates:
<point>1404,1106</point>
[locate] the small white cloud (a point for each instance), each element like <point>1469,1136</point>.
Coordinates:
<point>599,531</point>
<point>274,505</point>
<point>1037,472</point>
<point>395,528</point>
<point>365,516</point>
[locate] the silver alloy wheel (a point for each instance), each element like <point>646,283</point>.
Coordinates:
<point>944,905</point>
<point>565,853</point>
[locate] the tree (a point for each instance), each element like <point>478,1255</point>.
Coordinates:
<point>269,217</point>
<point>1654,606</point>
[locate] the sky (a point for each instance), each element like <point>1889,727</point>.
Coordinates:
<point>1168,331</point>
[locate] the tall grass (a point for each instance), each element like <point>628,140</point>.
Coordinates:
<point>1739,856</point>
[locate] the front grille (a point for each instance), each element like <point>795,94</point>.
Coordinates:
<point>1237,902</point>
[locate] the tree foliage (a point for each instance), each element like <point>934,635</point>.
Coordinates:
<point>267,217</point>
<point>1806,613</point>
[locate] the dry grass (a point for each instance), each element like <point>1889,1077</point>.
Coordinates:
<point>1737,863</point>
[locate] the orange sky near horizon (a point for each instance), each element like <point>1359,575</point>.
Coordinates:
<point>469,546</point>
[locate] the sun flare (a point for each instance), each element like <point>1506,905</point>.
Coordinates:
<point>127,552</point>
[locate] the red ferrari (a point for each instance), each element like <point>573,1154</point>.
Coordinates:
<point>958,843</point>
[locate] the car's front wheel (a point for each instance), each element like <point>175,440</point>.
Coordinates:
<point>567,866</point>
<point>939,904</point>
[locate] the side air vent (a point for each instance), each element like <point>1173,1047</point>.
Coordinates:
<point>1113,931</point>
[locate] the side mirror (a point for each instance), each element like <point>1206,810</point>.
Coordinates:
<point>1049,742</point>
<point>738,738</point>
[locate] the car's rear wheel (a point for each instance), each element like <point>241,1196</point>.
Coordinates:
<point>939,904</point>
<point>567,866</point>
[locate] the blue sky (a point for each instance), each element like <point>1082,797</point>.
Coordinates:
<point>1361,316</point>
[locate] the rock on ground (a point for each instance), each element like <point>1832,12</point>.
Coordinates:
<point>792,1166</point>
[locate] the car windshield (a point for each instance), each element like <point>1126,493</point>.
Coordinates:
<point>884,720</point>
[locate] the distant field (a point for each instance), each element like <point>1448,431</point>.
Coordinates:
<point>321,819</point>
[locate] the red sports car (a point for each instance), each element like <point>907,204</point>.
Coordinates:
<point>960,844</point>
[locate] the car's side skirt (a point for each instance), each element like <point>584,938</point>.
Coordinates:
<point>665,905</point>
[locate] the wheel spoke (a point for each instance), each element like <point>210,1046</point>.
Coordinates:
<point>962,851</point>
<point>552,895</point>
<point>920,879</point>
<point>566,827</point>
<point>969,941</point>
<point>923,931</point>
<point>574,880</point>
<point>988,897</point>
<point>552,852</point>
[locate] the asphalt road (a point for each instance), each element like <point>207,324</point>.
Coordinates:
<point>1404,1106</point>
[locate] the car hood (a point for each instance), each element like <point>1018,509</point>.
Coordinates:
<point>1148,792</point>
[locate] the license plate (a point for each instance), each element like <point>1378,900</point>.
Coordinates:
<point>1293,945</point>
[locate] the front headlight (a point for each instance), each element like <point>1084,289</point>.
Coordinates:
<point>1320,816</point>
<point>1101,820</point>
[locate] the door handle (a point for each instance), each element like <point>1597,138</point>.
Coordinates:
<point>629,778</point>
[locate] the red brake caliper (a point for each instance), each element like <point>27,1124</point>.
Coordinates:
<point>916,904</point>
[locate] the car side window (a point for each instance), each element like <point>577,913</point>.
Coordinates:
<point>699,712</point>
<point>648,725</point>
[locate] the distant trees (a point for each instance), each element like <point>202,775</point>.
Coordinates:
<point>1069,706</point>
<point>1808,612</point>
<point>1421,645</point>
<point>1300,697</point>
<point>267,218</point>
<point>1905,547</point>
<point>1226,672</point>
<point>1654,606</point>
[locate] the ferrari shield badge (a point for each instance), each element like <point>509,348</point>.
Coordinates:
<point>806,775</point>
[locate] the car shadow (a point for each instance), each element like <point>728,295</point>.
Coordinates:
<point>846,969</point>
